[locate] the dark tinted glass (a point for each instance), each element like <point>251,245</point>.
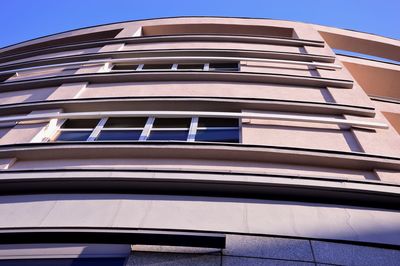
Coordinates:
<point>172,122</point>
<point>224,135</point>
<point>73,135</point>
<point>218,122</point>
<point>119,135</point>
<point>125,67</point>
<point>157,66</point>
<point>65,262</point>
<point>168,135</point>
<point>80,123</point>
<point>224,66</point>
<point>124,122</point>
<point>191,66</point>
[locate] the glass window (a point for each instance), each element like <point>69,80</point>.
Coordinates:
<point>217,122</point>
<point>111,135</point>
<point>125,122</point>
<point>124,67</point>
<point>218,135</point>
<point>157,66</point>
<point>224,66</point>
<point>80,123</point>
<point>172,123</point>
<point>73,135</point>
<point>168,135</point>
<point>190,66</point>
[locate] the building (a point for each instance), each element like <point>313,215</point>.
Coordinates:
<point>200,140</point>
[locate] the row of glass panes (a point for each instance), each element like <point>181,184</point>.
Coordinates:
<point>230,66</point>
<point>150,129</point>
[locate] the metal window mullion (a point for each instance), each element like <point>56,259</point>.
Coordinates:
<point>97,129</point>
<point>193,129</point>
<point>140,67</point>
<point>174,67</point>
<point>147,128</point>
<point>206,67</point>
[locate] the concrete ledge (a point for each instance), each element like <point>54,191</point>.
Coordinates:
<point>136,76</point>
<point>188,103</point>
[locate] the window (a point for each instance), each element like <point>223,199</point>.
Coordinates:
<point>157,67</point>
<point>191,66</point>
<point>150,129</point>
<point>218,130</point>
<point>225,66</point>
<point>125,67</point>
<point>77,129</point>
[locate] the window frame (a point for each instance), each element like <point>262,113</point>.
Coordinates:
<point>146,130</point>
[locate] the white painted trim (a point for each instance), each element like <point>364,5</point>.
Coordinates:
<point>147,128</point>
<point>193,129</point>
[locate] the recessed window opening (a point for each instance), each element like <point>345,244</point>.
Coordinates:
<point>150,129</point>
<point>157,67</point>
<point>125,67</point>
<point>215,66</point>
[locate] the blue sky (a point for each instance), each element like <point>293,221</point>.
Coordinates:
<point>26,19</point>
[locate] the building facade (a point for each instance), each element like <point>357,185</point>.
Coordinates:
<point>200,141</point>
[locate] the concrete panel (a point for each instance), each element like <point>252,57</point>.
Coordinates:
<point>170,259</point>
<point>268,247</point>
<point>344,254</point>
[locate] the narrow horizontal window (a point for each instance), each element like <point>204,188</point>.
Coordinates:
<point>224,66</point>
<point>168,135</point>
<point>172,123</point>
<point>218,135</point>
<point>115,135</point>
<point>218,122</point>
<point>125,67</point>
<point>209,129</point>
<point>73,135</point>
<point>80,123</point>
<point>125,122</point>
<point>157,67</point>
<point>190,66</point>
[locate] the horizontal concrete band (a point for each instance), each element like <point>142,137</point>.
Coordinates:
<point>337,192</point>
<point>175,59</point>
<point>201,214</point>
<point>139,76</point>
<point>110,236</point>
<point>173,52</point>
<point>204,150</point>
<point>188,103</point>
<point>8,55</point>
<point>39,118</point>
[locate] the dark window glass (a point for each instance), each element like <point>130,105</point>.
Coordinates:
<point>168,135</point>
<point>157,66</point>
<point>65,262</point>
<point>223,135</point>
<point>224,66</point>
<point>191,66</point>
<point>119,135</point>
<point>80,123</point>
<point>172,122</point>
<point>125,67</point>
<point>4,77</point>
<point>73,135</point>
<point>123,122</point>
<point>218,122</point>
